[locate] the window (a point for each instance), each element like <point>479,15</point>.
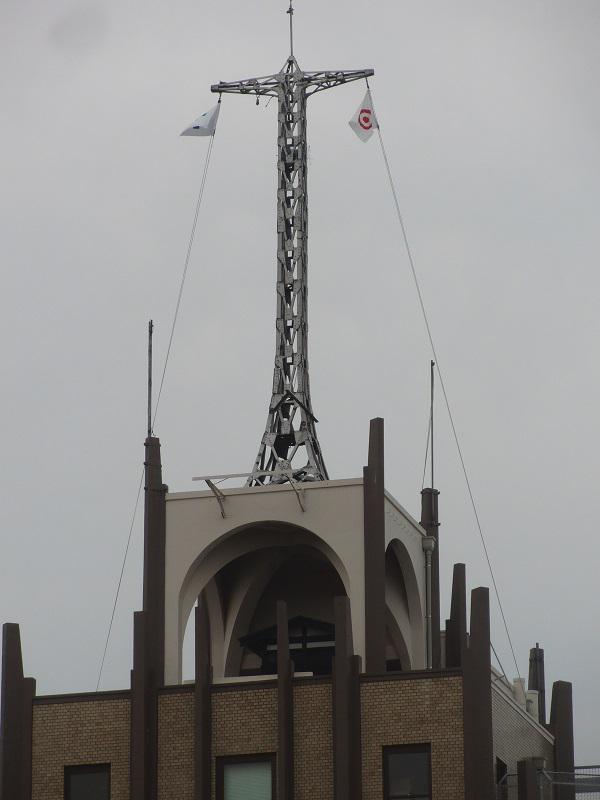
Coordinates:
<point>89,782</point>
<point>246,777</point>
<point>501,779</point>
<point>407,772</point>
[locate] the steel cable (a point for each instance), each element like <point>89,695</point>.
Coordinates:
<point>443,385</point>
<point>162,380</point>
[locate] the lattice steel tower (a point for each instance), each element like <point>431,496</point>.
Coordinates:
<point>289,447</point>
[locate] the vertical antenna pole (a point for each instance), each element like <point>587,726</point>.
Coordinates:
<point>290,11</point>
<point>431,421</point>
<point>150,331</point>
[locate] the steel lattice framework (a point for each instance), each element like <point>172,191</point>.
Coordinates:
<point>289,449</point>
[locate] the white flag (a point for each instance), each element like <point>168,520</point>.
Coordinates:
<point>364,121</point>
<point>205,124</point>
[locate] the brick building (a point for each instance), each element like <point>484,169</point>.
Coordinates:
<point>375,713</point>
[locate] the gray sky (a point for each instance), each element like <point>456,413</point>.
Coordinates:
<point>491,115</point>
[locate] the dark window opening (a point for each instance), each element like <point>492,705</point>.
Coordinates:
<point>249,777</point>
<point>393,665</point>
<point>312,647</point>
<point>87,782</point>
<point>407,772</point>
<point>501,779</point>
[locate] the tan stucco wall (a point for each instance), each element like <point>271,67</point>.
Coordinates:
<point>414,711</point>
<point>79,732</point>
<point>200,542</point>
<point>333,513</point>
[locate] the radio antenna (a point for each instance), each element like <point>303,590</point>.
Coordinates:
<point>290,11</point>
<point>150,331</point>
<point>431,420</point>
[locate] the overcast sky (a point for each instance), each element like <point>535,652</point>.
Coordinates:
<point>491,116</point>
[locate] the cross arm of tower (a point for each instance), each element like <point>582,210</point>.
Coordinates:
<point>264,87</point>
<point>329,79</point>
<point>267,85</point>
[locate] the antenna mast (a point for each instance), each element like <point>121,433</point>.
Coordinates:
<point>431,420</point>
<point>150,332</point>
<point>289,447</point>
<point>290,11</point>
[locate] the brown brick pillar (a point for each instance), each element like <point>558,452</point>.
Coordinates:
<point>285,708</point>
<point>202,704</point>
<point>430,521</point>
<point>149,633</point>
<point>527,780</point>
<point>477,702</point>
<point>143,709</point>
<point>561,726</point>
<point>346,708</point>
<point>456,626</point>
<point>155,510</point>
<point>374,534</point>
<point>16,719</point>
<point>537,679</point>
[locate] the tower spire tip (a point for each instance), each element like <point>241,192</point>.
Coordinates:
<point>290,11</point>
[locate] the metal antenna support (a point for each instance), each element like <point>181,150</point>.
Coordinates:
<point>150,332</point>
<point>210,479</point>
<point>218,494</point>
<point>289,445</point>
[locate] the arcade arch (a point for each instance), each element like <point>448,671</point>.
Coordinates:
<point>242,575</point>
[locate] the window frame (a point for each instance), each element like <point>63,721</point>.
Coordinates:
<point>83,769</point>
<point>424,748</point>
<point>250,758</point>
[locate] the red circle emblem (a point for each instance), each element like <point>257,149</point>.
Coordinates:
<point>364,119</point>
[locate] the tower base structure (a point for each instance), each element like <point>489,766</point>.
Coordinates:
<point>313,613</point>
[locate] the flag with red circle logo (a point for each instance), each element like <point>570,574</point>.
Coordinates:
<point>364,121</point>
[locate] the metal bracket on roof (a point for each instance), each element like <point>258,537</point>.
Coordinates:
<point>299,492</point>
<point>218,494</point>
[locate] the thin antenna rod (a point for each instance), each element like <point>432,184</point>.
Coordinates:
<point>431,421</point>
<point>150,331</point>
<point>290,11</point>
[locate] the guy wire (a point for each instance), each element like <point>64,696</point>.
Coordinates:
<point>443,385</point>
<point>162,380</point>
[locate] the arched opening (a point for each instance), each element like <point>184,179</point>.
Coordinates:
<point>308,583</point>
<point>404,619</point>
<point>266,564</point>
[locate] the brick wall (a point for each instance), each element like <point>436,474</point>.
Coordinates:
<point>244,721</point>
<point>414,711</point>
<point>176,745</point>
<point>394,711</point>
<point>313,751</point>
<point>515,736</point>
<point>75,732</point>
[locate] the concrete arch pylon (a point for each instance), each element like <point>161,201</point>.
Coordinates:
<point>269,540</point>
